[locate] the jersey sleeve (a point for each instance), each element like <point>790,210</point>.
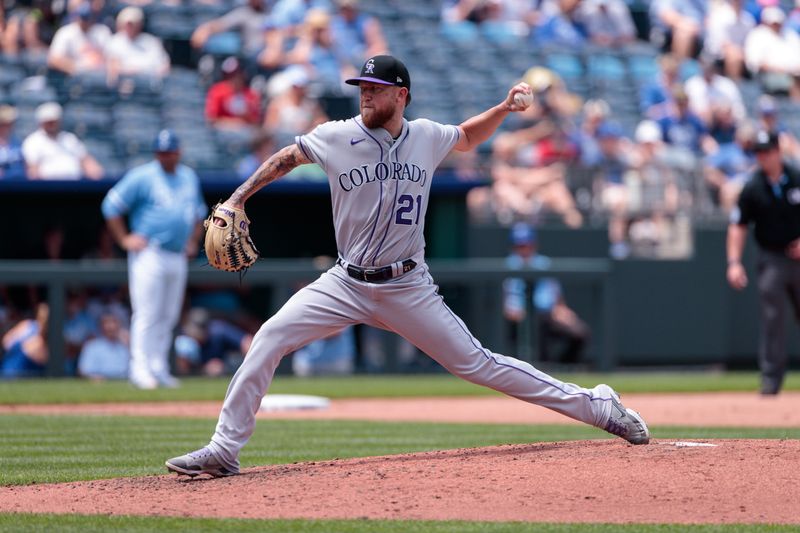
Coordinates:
<point>122,197</point>
<point>314,145</point>
<point>742,213</point>
<point>441,138</point>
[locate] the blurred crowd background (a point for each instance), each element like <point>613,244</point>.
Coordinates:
<point>643,119</point>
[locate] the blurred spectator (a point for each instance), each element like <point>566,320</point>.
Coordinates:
<point>12,164</point>
<point>608,22</point>
<point>261,148</point>
<point>231,103</point>
<point>107,355</point>
<point>655,97</point>
<point>555,321</point>
<point>529,164</point>
<point>104,249</point>
<point>728,169</point>
<point>249,20</point>
<point>358,34</point>
<point>334,355</point>
<point>793,19</point>
<point>677,25</point>
<point>131,52</point>
<point>110,300</point>
<point>497,20</point>
<point>316,50</point>
<point>563,27</point>
<point>595,113</point>
<point>458,11</point>
<point>769,120</point>
<point>683,129</point>
<point>722,127</point>
<point>708,90</point>
<point>79,326</point>
<point>53,243</point>
<point>772,52</point>
<point>292,111</point>
<point>289,15</point>
<point>211,345</point>
<point>30,26</point>
<point>520,190</point>
<point>654,193</point>
<point>25,347</point>
<point>727,26</point>
<point>78,47</point>
<point>54,154</point>
<point>615,160</point>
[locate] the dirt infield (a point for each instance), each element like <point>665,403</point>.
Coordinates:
<point>717,410</point>
<point>706,481</point>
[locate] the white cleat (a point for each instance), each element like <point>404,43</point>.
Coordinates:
<point>202,461</point>
<point>144,382</point>
<point>626,423</point>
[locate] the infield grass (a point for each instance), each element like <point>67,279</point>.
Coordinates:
<point>44,449</point>
<point>24,523</point>
<point>363,386</point>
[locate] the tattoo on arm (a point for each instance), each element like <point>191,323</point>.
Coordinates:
<point>273,168</point>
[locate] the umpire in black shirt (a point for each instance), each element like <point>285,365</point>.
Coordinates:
<point>771,202</point>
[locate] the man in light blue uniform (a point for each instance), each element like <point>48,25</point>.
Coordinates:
<point>164,206</point>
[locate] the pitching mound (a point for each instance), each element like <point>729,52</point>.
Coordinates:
<point>731,481</point>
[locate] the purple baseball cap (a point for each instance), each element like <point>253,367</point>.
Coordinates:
<point>385,70</point>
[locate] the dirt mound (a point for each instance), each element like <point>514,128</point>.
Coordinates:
<point>733,481</point>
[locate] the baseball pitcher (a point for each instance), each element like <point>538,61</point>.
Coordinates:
<point>380,167</point>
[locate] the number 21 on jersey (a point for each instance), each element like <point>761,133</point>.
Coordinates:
<point>405,211</point>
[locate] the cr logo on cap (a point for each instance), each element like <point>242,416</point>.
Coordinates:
<point>369,66</point>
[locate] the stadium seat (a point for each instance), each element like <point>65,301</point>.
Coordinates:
<point>11,74</point>
<point>642,68</point>
<point>605,68</point>
<point>463,32</point>
<point>568,66</point>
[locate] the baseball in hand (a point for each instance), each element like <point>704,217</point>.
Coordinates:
<point>523,100</point>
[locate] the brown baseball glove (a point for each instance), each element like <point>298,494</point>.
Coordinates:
<point>228,243</point>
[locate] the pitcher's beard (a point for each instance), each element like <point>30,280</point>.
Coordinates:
<point>376,118</point>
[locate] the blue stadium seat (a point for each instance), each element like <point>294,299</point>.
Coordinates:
<point>605,68</point>
<point>642,68</point>
<point>11,74</point>
<point>568,66</point>
<point>463,32</point>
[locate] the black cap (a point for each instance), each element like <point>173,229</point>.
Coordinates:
<point>386,70</point>
<point>765,140</point>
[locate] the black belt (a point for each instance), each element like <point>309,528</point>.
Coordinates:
<point>376,275</point>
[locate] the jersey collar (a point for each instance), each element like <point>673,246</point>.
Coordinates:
<point>381,135</point>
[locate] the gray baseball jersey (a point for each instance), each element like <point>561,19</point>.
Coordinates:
<point>380,186</point>
<point>380,189</point>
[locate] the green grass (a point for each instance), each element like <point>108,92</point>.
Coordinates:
<point>80,391</point>
<point>42,449</point>
<point>130,524</point>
